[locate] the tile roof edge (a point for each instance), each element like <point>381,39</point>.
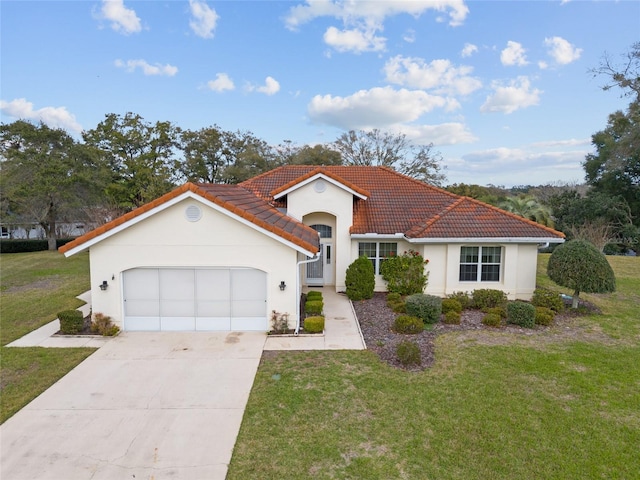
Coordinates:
<point>321,170</point>
<point>429,223</point>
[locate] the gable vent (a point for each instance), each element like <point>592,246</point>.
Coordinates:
<point>193,213</point>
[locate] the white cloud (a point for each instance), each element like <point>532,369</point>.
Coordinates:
<point>439,75</point>
<point>375,108</point>
<point>55,117</point>
<point>409,36</point>
<point>221,83</point>
<point>204,19</point>
<point>442,134</point>
<point>353,40</point>
<point>514,96</point>
<point>468,50</point>
<point>363,20</point>
<point>513,54</point>
<point>562,51</point>
<point>271,87</point>
<point>123,20</point>
<point>147,69</point>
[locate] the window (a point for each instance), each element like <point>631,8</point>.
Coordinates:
<point>480,264</point>
<point>377,252</point>
<point>323,230</point>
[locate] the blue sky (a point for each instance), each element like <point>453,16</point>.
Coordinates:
<point>500,88</point>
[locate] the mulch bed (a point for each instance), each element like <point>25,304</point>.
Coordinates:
<point>376,321</point>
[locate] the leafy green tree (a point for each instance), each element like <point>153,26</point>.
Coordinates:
<point>360,279</point>
<point>205,155</point>
<point>141,155</point>
<point>248,156</point>
<point>46,176</point>
<point>528,206</point>
<point>377,148</point>
<point>316,155</point>
<point>491,195</point>
<point>580,266</point>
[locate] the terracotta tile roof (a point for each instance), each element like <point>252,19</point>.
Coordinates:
<point>318,171</point>
<point>230,197</point>
<point>399,204</point>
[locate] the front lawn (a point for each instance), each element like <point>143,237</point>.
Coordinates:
<point>492,405</point>
<point>34,288</point>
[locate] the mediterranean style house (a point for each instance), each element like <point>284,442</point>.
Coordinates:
<point>224,257</point>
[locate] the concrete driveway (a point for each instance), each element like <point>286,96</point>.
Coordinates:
<point>144,406</point>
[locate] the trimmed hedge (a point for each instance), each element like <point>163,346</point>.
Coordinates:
<point>463,297</point>
<point>452,317</point>
<point>451,305</point>
<point>427,308</point>
<point>522,314</point>
<point>360,279</point>
<point>313,307</point>
<point>314,295</point>
<point>547,298</point>
<point>484,298</point>
<point>408,353</point>
<point>544,316</point>
<point>314,324</point>
<point>23,245</point>
<point>492,320</point>
<point>71,322</point>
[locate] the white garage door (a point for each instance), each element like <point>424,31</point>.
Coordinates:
<point>187,299</point>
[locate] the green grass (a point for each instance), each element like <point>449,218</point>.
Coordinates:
<point>552,407</point>
<point>34,287</point>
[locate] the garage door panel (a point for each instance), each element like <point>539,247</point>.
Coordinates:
<point>213,324</point>
<point>142,284</point>
<point>177,324</point>
<point>177,284</point>
<point>142,324</point>
<point>213,285</point>
<point>142,308</point>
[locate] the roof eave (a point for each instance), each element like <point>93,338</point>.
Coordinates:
<point>487,240</point>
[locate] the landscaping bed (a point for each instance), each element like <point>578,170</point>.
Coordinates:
<point>376,321</point>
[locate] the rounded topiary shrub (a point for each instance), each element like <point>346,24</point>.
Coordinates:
<point>522,314</point>
<point>427,308</point>
<point>360,279</point>
<point>492,320</point>
<point>314,324</point>
<point>71,322</point>
<point>451,305</point>
<point>393,297</point>
<point>543,297</point>
<point>408,353</point>
<point>544,316</point>
<point>314,295</point>
<point>398,307</point>
<point>463,297</point>
<point>313,307</point>
<point>485,298</point>
<point>497,311</point>
<point>408,324</point>
<point>452,317</point>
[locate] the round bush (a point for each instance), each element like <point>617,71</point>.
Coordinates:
<point>71,322</point>
<point>463,298</point>
<point>314,324</point>
<point>491,320</point>
<point>546,298</point>
<point>408,353</point>
<point>393,297</point>
<point>314,295</point>
<point>427,308</point>
<point>451,305</point>
<point>522,314</point>
<point>497,311</point>
<point>452,317</point>
<point>313,307</point>
<point>488,298</point>
<point>360,279</point>
<point>544,316</point>
<point>408,324</point>
<point>398,307</point>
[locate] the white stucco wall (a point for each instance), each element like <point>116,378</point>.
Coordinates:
<point>168,239</point>
<point>336,202</point>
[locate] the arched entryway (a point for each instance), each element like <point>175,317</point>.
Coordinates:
<point>322,272</point>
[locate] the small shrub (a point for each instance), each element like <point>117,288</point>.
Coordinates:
<point>314,324</point>
<point>492,320</point>
<point>314,295</point>
<point>427,308</point>
<point>408,353</point>
<point>360,279</point>
<point>279,322</point>
<point>408,324</point>
<point>398,307</point>
<point>393,297</point>
<point>547,298</point>
<point>313,307</point>
<point>71,322</point>
<point>488,298</point>
<point>103,325</point>
<point>451,305</point>
<point>405,273</point>
<point>522,314</point>
<point>463,297</point>
<point>452,317</point>
<point>544,316</point>
<point>497,311</point>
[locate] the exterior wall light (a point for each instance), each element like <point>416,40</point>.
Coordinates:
<point>283,285</point>
<point>104,285</point>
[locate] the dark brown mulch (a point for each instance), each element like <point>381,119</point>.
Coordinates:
<point>376,321</point>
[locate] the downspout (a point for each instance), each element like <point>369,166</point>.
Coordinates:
<point>299,288</point>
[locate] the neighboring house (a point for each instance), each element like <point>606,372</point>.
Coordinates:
<point>223,257</point>
<point>34,231</point>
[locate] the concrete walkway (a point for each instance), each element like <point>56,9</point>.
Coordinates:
<point>341,329</point>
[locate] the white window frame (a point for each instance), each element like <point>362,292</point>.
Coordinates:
<point>480,263</point>
<point>377,259</point>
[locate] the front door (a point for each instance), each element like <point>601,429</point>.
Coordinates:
<point>321,271</point>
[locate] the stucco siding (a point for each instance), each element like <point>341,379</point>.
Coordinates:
<point>168,239</point>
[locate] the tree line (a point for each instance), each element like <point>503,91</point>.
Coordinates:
<point>48,177</point>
